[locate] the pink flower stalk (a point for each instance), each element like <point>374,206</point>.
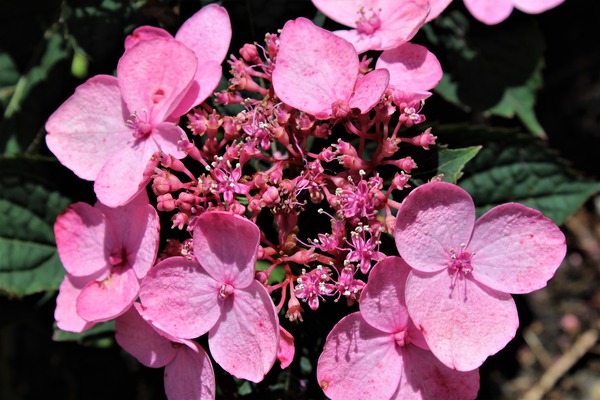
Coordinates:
<point>208,34</point>
<point>318,73</point>
<point>414,71</point>
<point>458,292</point>
<point>106,252</point>
<point>379,24</point>
<point>219,296</point>
<point>188,371</point>
<point>492,12</point>
<point>378,353</point>
<point>109,130</point>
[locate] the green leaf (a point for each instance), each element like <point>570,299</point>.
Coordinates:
<point>30,201</point>
<point>516,167</point>
<point>520,101</point>
<point>490,69</point>
<point>28,108</point>
<point>95,336</point>
<point>452,161</point>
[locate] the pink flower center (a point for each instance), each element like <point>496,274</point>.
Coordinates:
<point>367,24</point>
<point>117,257</point>
<point>459,265</point>
<point>402,338</point>
<point>140,125</point>
<point>225,291</point>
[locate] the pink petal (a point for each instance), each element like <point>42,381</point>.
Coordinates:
<point>226,246</point>
<point>359,362</point>
<point>361,43</point>
<point>490,12</point>
<point>89,127</point>
<point>314,68</point>
<point>286,350</point>
<point>413,68</point>
<point>208,76</point>
<point>536,6</point>
<point>425,377</point>
<point>369,89</point>
<point>435,218</point>
<point>151,84</point>
<point>382,302</point>
<point>140,340</point>
<point>123,177</point>
<point>245,340</point>
<point>462,326</point>
<point>167,136</point>
<point>207,33</point>
<point>145,33</point>
<point>437,6</point>
<point>180,298</point>
<point>190,376</point>
<point>135,229</point>
<point>80,236</point>
<point>516,249</point>
<point>400,21</point>
<point>103,300</point>
<point>65,313</point>
<point>346,12</point>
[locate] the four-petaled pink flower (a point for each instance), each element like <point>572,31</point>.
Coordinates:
<point>379,354</point>
<point>188,371</point>
<point>111,127</point>
<point>493,12</point>
<point>106,252</point>
<point>379,24</point>
<point>219,296</point>
<point>318,73</point>
<point>458,293</point>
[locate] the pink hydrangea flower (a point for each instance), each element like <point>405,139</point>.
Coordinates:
<point>208,34</point>
<point>413,69</point>
<point>378,353</point>
<point>188,371</point>
<point>219,296</point>
<point>493,12</point>
<point>106,252</point>
<point>111,127</point>
<point>318,73</point>
<point>379,24</point>
<point>458,292</point>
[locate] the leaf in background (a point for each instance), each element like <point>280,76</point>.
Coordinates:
<point>520,100</point>
<point>490,69</point>
<point>452,161</point>
<point>95,336</point>
<point>8,78</point>
<point>35,97</point>
<point>30,201</point>
<point>516,167</point>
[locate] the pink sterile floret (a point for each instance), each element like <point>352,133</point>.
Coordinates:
<point>188,371</point>
<point>463,271</point>
<point>413,69</point>
<point>111,127</point>
<point>379,354</point>
<point>208,34</point>
<point>318,73</point>
<point>492,12</point>
<point>219,296</point>
<point>106,252</point>
<point>379,24</point>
